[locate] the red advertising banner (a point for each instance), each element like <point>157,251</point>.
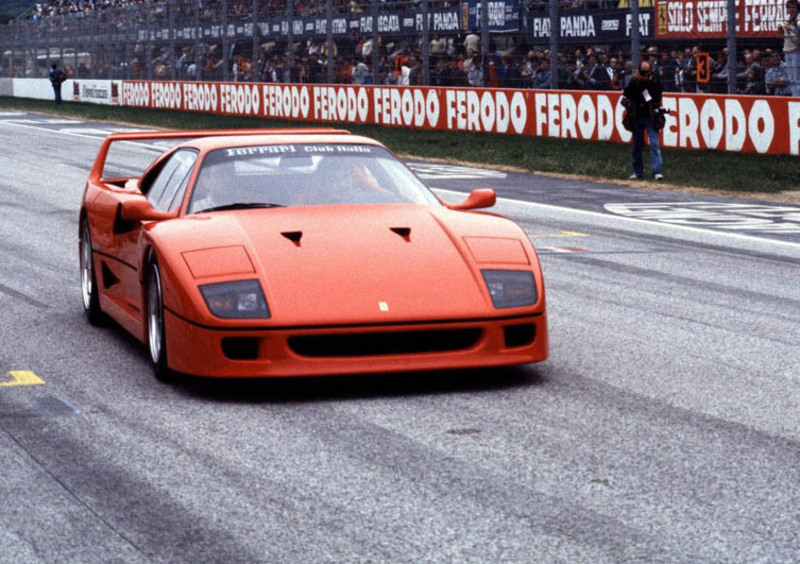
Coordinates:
<point>725,123</point>
<point>708,19</point>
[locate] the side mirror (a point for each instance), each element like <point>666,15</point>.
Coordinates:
<point>140,209</point>
<point>478,198</point>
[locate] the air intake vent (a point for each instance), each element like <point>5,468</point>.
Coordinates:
<point>404,232</point>
<point>377,344</point>
<point>108,277</point>
<point>519,335</point>
<point>240,348</point>
<point>293,236</point>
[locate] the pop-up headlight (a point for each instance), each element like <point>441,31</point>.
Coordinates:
<point>242,299</point>
<point>510,288</point>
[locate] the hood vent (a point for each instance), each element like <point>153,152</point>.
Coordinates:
<point>404,232</point>
<point>293,236</point>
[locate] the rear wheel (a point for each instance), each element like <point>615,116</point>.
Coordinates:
<point>91,300</point>
<point>156,335</point>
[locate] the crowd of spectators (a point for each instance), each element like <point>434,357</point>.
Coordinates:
<point>455,60</point>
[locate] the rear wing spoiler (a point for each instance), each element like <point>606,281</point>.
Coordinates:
<point>100,161</point>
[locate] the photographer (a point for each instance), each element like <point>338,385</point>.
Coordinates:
<point>642,100</point>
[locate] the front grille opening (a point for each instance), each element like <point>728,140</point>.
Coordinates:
<point>519,335</point>
<point>240,348</point>
<point>377,344</point>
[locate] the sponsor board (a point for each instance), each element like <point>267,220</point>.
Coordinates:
<point>96,91</point>
<point>725,123</point>
<point>401,22</point>
<point>502,15</point>
<point>93,91</point>
<point>601,26</point>
<point>709,18</point>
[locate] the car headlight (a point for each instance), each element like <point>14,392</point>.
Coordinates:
<point>510,288</point>
<point>242,299</point>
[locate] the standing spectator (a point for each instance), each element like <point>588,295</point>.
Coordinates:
<point>669,70</point>
<point>597,75</point>
<point>791,46</point>
<point>438,47</point>
<point>360,73</point>
<point>529,68</point>
<point>690,72</point>
<point>415,73</point>
<point>627,73</point>
<point>472,42</point>
<point>719,76</point>
<point>542,77</point>
<point>655,65</point>
<point>750,77</point>
<point>776,80</point>
<point>57,78</point>
<point>615,71</point>
<point>642,98</point>
<point>475,74</point>
<point>575,77</point>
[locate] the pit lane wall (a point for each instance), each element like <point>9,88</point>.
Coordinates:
<point>77,90</point>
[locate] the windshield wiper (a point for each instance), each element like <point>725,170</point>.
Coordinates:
<point>240,206</point>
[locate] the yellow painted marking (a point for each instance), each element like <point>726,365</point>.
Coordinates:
<point>561,234</point>
<point>23,378</point>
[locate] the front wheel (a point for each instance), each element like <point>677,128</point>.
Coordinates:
<point>156,335</point>
<point>91,300</point>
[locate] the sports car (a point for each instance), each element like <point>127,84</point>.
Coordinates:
<point>302,252</point>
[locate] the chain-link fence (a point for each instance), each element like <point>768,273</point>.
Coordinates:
<point>497,43</point>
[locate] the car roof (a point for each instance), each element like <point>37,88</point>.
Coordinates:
<point>248,140</point>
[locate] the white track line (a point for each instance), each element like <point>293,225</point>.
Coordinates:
<point>81,135</point>
<point>693,233</point>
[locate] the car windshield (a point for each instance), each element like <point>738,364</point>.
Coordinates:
<point>304,175</point>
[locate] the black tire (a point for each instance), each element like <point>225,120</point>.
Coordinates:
<point>89,288</point>
<point>156,334</point>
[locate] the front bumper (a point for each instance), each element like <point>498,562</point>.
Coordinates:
<point>287,352</point>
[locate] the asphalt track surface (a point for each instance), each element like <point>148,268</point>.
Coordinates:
<point>664,428</point>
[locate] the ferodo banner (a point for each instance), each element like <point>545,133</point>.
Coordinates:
<point>708,19</point>
<point>725,123</point>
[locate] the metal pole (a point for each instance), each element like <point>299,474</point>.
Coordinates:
<point>287,75</point>
<point>375,55</point>
<point>636,43</point>
<point>256,47</point>
<point>76,47</point>
<point>485,41</point>
<point>199,54</point>
<point>555,35</point>
<point>150,38</point>
<point>46,28</point>
<point>426,44</point>
<point>225,61</point>
<point>329,39</point>
<point>171,25</point>
<point>61,49</point>
<point>732,55</point>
